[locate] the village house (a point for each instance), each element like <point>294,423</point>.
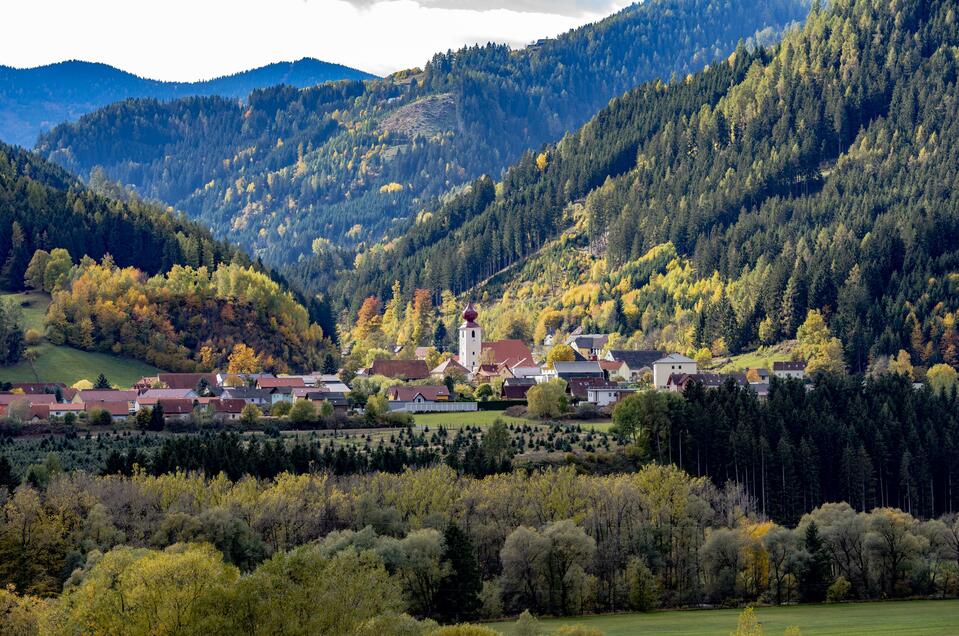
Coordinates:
<point>27,401</point>
<point>790,369</point>
<point>176,410</point>
<point>588,345</point>
<point>107,395</point>
<point>65,408</point>
<point>516,388</point>
<point>569,370</point>
<point>418,394</point>
<point>670,365</point>
<point>281,394</point>
<point>279,383</point>
<point>226,410</point>
<point>149,398</point>
<point>425,399</point>
<point>606,395</point>
<point>118,411</point>
<point>405,370</point>
<point>259,397</point>
<point>337,399</point>
<point>679,382</point>
<point>634,364</point>
<point>578,388</point>
<point>450,368</point>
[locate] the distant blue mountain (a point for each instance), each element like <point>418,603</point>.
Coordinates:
<point>33,100</point>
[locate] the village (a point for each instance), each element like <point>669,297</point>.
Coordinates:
<point>496,374</point>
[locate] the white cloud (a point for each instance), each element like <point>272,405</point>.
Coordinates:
<point>561,7</point>
<point>197,39</point>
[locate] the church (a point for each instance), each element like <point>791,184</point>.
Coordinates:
<point>503,358</point>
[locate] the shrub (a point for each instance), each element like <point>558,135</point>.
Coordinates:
<point>280,409</point>
<point>303,412</point>
<point>839,590</point>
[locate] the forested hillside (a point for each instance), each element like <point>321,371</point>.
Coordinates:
<point>345,162</point>
<point>37,99</point>
<point>821,175</point>
<point>44,207</point>
<point>164,292</point>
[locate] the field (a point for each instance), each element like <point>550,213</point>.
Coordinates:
<point>66,364</point>
<point>33,305</point>
<point>762,357</point>
<point>904,618</point>
<point>459,420</point>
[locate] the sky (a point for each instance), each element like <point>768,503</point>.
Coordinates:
<point>188,40</point>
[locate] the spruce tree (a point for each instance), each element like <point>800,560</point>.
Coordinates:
<point>815,576</point>
<point>458,599</point>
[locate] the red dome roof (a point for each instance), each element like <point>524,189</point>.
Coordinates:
<point>469,314</point>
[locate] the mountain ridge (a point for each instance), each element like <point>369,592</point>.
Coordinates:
<point>326,163</point>
<point>814,177</point>
<point>41,97</point>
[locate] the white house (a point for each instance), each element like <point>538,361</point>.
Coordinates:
<point>673,363</point>
<point>606,395</point>
<point>795,370</point>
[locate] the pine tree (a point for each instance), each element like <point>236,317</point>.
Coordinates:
<point>458,599</point>
<point>7,479</point>
<point>815,575</point>
<point>102,382</point>
<point>17,261</point>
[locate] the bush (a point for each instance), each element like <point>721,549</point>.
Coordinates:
<point>99,417</point>
<point>250,414</point>
<point>280,409</point>
<point>548,399</point>
<point>303,412</point>
<point>33,337</point>
<point>839,590</point>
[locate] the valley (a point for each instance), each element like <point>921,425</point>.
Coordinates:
<point>646,327</point>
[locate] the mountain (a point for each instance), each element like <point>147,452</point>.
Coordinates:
<point>33,100</point>
<point>717,210</point>
<point>351,162</point>
<point>44,207</point>
<point>164,290</point>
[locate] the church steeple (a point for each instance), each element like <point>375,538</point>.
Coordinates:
<point>471,339</point>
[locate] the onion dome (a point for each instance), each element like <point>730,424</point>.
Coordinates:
<point>469,316</point>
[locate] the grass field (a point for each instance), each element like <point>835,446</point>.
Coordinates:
<point>66,364</point>
<point>762,357</point>
<point>459,420</point>
<point>33,305</point>
<point>904,618</point>
<point>69,365</point>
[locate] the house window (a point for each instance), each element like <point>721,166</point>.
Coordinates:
<point>473,334</point>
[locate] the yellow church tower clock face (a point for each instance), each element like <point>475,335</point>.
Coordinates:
<point>471,339</point>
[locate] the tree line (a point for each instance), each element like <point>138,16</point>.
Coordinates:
<point>446,547</point>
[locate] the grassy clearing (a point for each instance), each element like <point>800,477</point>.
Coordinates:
<point>69,365</point>
<point>762,357</point>
<point>33,305</point>
<point>904,618</point>
<point>66,364</point>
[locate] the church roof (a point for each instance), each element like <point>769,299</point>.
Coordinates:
<point>469,316</point>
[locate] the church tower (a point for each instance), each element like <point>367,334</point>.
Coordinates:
<point>471,339</point>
